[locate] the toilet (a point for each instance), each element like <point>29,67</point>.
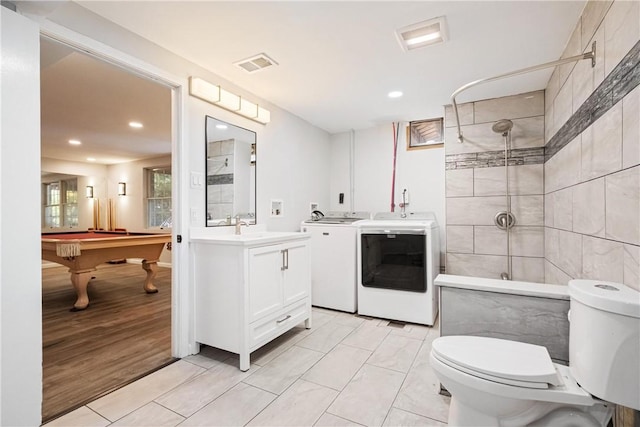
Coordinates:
<point>496,382</point>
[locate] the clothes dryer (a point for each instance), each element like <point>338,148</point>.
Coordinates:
<point>398,259</point>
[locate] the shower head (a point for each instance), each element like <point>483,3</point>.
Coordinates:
<point>502,126</point>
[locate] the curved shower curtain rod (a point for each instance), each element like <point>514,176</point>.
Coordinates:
<point>588,55</point>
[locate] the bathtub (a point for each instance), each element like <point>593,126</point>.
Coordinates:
<point>534,313</point>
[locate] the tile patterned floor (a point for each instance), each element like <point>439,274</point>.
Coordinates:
<point>345,371</point>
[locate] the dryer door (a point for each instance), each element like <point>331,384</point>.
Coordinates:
<point>393,260</point>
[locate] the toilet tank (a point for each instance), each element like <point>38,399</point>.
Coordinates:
<point>604,340</point>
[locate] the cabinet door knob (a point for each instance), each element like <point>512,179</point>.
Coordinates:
<point>282,320</point>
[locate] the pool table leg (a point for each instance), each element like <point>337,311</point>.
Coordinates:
<point>80,281</point>
<point>150,267</point>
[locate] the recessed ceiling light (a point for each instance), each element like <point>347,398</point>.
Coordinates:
<point>91,159</point>
<point>423,34</point>
<point>221,126</point>
<point>74,142</point>
<point>423,38</point>
<point>136,125</point>
<point>394,94</point>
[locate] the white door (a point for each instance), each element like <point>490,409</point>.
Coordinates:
<point>20,282</point>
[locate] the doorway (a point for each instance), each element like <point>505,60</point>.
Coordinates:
<point>124,333</point>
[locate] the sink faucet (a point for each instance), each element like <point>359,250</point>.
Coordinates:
<point>403,205</point>
<point>239,224</point>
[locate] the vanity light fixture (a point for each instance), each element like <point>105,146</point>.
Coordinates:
<point>394,94</point>
<point>88,191</point>
<point>74,142</point>
<point>91,159</point>
<point>122,189</point>
<point>215,95</point>
<point>229,100</point>
<point>423,34</point>
<point>136,125</point>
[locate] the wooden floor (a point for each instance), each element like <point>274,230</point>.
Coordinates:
<point>124,334</point>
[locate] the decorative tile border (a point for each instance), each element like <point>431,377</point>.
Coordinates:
<point>226,178</point>
<point>622,80</point>
<point>489,159</point>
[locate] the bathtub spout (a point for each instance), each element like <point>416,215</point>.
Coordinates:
<point>504,276</point>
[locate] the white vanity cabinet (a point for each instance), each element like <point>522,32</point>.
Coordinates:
<point>250,290</point>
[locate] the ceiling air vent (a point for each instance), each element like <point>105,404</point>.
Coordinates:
<point>423,34</point>
<point>256,63</point>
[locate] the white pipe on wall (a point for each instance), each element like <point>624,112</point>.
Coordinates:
<point>352,155</point>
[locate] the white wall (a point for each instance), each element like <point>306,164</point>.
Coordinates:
<point>421,172</point>
<point>340,175</point>
<point>20,282</point>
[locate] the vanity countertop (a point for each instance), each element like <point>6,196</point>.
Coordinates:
<point>250,236</point>
<point>540,290</point>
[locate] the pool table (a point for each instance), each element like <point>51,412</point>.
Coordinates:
<point>83,251</point>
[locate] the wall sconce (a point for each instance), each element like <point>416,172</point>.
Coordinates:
<point>88,191</point>
<point>122,189</point>
<point>215,95</point>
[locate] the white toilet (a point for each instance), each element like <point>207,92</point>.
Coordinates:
<point>496,382</point>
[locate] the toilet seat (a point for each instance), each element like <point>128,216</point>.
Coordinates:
<point>515,383</point>
<point>507,362</point>
<point>569,392</point>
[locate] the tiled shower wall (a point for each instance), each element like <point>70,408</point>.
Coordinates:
<point>581,217</point>
<point>592,168</point>
<point>476,187</point>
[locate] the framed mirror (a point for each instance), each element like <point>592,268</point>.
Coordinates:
<point>231,173</point>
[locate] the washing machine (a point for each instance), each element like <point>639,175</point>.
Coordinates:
<point>333,258</point>
<point>398,259</point>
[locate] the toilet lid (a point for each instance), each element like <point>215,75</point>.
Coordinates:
<point>494,358</point>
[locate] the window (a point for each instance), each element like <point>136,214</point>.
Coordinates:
<point>425,134</point>
<point>158,197</point>
<point>60,207</point>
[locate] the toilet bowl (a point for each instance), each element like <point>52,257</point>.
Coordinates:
<point>496,382</point>
<point>514,384</point>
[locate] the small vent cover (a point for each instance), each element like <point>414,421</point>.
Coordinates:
<point>256,63</point>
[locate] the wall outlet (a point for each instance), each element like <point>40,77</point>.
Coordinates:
<point>276,208</point>
<point>313,206</point>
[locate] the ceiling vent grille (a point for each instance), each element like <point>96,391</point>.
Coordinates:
<point>256,63</point>
<point>423,34</point>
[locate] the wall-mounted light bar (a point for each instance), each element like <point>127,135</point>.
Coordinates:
<point>215,95</point>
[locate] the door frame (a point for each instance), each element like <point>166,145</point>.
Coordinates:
<point>181,314</point>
